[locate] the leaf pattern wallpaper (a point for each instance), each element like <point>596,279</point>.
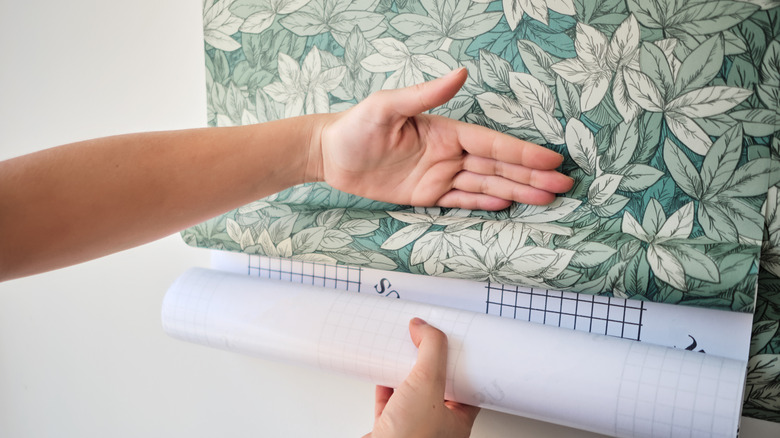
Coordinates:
<point>667,111</point>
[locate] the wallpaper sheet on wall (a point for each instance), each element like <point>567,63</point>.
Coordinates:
<point>667,112</point>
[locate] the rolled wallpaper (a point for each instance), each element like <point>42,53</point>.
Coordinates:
<point>615,386</point>
<point>666,111</point>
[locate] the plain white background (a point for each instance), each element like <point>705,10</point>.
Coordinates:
<point>82,353</point>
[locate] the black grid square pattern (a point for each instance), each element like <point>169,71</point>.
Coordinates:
<point>591,313</point>
<point>305,272</point>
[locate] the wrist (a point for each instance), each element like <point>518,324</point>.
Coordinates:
<point>313,166</point>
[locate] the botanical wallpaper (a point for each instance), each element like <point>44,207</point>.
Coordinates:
<point>667,112</point>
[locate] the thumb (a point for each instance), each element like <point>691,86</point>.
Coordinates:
<point>431,356</point>
<point>418,98</point>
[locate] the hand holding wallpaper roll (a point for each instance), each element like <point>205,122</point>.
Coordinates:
<point>592,382</point>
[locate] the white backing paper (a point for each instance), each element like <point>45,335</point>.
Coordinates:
<point>593,382</point>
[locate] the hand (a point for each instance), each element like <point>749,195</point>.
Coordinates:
<point>385,149</point>
<point>417,408</point>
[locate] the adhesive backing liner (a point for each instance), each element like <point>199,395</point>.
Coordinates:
<point>617,387</point>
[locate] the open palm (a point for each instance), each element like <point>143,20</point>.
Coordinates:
<point>387,150</point>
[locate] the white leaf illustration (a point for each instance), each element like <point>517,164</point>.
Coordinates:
<point>334,239</point>
<point>258,22</point>
<point>565,7</point>
<point>638,177</point>
<point>666,267</point>
<point>425,42</point>
<point>468,267</point>
<point>627,108</point>
<point>632,227</point>
<point>624,44</point>
<point>426,246</point>
<point>531,91</point>
<point>282,228</point>
<point>697,264</point>
<point>708,101</point>
<point>555,268</point>
<point>430,65</point>
<point>536,9</point>
<point>512,237</point>
<point>572,69</point>
<point>513,13</point>
<point>532,260</point>
<point>602,188</point>
<point>308,240</point>
<point>677,226</point>
<point>494,70</point>
<point>536,60</point>
<point>405,236</point>
<point>473,25</point>
<point>593,90</point>
<point>539,214</point>
<point>219,23</point>
<point>233,230</point>
<point>591,46</point>
<point>413,218</point>
<point>548,126</point>
<point>359,227</point>
<point>688,132</point>
<point>581,145</point>
<point>504,110</point>
<point>284,248</point>
<point>391,48</point>
<point>409,24</point>
<point>267,245</point>
<point>288,6</point>
<point>643,91</point>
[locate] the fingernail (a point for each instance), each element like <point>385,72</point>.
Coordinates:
<point>455,72</point>
<point>417,322</point>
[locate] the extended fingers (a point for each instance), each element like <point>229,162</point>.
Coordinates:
<point>547,180</point>
<point>502,188</point>
<point>484,142</point>
<point>472,201</point>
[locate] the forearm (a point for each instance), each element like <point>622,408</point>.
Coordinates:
<point>80,201</point>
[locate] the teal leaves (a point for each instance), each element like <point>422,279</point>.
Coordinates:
<point>676,89</point>
<point>669,255</point>
<point>536,9</point>
<point>394,56</point>
<point>666,111</point>
<point>304,89</point>
<point>446,21</point>
<point>719,185</point>
<point>690,22</point>
<point>258,15</point>
<point>598,60</point>
<point>533,106</point>
<point>654,112</point>
<point>551,37</point>
<point>219,24</point>
<point>336,18</point>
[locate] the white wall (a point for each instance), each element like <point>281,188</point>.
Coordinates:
<point>82,353</point>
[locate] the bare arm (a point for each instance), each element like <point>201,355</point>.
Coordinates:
<point>76,202</point>
<point>80,201</point>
